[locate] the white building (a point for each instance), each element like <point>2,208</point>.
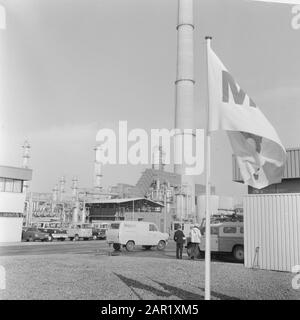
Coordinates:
<point>12,202</point>
<point>272,220</point>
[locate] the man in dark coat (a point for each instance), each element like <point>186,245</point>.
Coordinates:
<point>179,237</point>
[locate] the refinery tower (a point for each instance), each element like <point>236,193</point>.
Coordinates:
<point>184,103</point>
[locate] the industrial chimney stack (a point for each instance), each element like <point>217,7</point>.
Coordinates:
<point>184,104</point>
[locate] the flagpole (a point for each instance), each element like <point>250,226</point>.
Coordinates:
<point>208,187</point>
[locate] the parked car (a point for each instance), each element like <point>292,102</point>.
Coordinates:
<point>136,233</point>
<point>33,234</point>
<point>99,234</point>
<point>80,231</point>
<point>55,233</point>
<point>226,238</point>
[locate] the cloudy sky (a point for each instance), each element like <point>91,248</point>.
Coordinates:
<point>71,67</point>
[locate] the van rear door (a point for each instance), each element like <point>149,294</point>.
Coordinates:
<point>154,234</point>
<point>112,234</point>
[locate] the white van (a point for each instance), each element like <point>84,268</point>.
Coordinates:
<point>136,233</point>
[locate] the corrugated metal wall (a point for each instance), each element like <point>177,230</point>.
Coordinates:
<point>272,223</point>
<point>291,170</point>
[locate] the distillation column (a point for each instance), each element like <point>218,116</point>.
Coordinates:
<point>26,156</point>
<point>184,104</point>
<point>97,171</point>
<point>75,200</point>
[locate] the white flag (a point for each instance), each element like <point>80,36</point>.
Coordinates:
<point>2,17</point>
<point>255,143</point>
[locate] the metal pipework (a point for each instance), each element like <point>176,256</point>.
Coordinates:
<point>74,189</point>
<point>97,171</point>
<point>62,187</point>
<point>26,150</point>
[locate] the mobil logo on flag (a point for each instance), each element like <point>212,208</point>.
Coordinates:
<point>238,94</point>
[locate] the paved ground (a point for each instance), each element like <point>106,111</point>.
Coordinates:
<point>85,247</point>
<point>87,270</point>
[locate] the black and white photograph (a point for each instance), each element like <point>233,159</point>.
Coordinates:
<point>149,153</point>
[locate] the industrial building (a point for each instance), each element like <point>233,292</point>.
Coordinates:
<point>125,209</point>
<point>12,201</point>
<point>272,220</point>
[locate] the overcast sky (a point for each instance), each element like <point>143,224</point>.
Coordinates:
<point>71,67</point>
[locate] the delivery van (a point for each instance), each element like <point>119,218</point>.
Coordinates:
<point>129,234</point>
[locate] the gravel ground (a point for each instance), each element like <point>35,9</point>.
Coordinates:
<point>99,276</point>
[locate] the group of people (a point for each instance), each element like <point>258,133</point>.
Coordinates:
<point>195,236</point>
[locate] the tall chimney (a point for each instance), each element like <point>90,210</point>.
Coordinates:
<point>184,105</point>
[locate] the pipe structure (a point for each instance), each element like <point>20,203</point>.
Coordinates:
<point>26,155</point>
<point>62,190</point>
<point>74,189</point>
<point>75,212</point>
<point>184,104</point>
<point>55,193</point>
<point>26,149</point>
<point>158,158</point>
<point>97,171</point>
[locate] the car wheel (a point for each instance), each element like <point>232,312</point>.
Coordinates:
<point>50,238</point>
<point>130,246</point>
<point>76,237</point>
<point>161,245</point>
<point>71,238</point>
<point>117,246</point>
<point>238,253</point>
<point>94,237</point>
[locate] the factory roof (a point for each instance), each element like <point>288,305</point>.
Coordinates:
<point>124,200</point>
<point>15,173</point>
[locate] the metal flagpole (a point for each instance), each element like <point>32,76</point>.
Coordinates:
<point>208,188</point>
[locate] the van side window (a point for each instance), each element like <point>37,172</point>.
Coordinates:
<point>152,227</point>
<point>229,230</point>
<point>241,229</point>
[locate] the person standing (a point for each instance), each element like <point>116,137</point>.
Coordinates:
<point>179,237</point>
<point>195,235</point>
